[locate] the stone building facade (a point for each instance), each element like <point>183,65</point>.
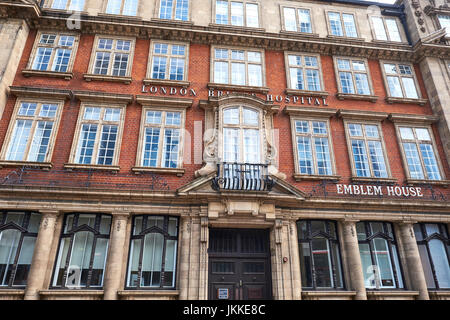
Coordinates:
<point>225,150</point>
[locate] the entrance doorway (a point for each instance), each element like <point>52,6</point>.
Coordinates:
<point>239,264</point>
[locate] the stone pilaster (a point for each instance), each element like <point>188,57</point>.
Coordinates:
<point>114,263</point>
<point>41,255</point>
<point>353,262</point>
<point>295,262</point>
<point>412,257</point>
<point>184,256</point>
<point>204,238</point>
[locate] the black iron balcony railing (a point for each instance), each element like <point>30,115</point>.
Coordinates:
<point>242,176</point>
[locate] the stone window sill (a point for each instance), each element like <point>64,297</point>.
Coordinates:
<point>75,166</point>
<point>173,22</point>
<point>321,94</point>
<point>327,295</point>
<point>179,172</point>
<point>98,77</point>
<point>232,87</point>
<point>43,165</point>
<point>420,102</point>
<point>120,16</point>
<point>148,293</point>
<point>235,28</point>
<point>162,82</point>
<point>391,294</point>
<point>372,179</point>
<point>345,38</point>
<point>300,34</point>
<point>303,177</point>
<point>435,182</point>
<point>390,43</point>
<point>359,97</point>
<point>439,294</point>
<point>53,74</point>
<point>63,294</point>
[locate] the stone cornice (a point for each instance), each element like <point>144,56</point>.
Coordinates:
<point>103,97</point>
<point>214,102</point>
<point>164,101</point>
<point>362,115</point>
<point>316,112</point>
<point>161,29</point>
<point>36,92</point>
<point>413,118</point>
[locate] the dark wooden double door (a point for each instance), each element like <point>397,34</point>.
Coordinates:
<point>239,264</point>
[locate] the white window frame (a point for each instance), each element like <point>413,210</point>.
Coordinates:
<point>304,68</point>
<point>122,8</point>
<point>311,135</point>
<point>100,123</point>
<point>417,142</point>
<point>12,124</point>
<point>283,19</point>
<point>398,75</point>
<point>386,29</point>
<point>244,17</point>
<point>112,51</point>
<point>344,34</point>
<point>68,4</point>
<point>353,72</point>
<point>161,141</point>
<point>366,139</point>
<point>54,47</point>
<point>229,61</point>
<point>158,11</point>
<point>169,56</point>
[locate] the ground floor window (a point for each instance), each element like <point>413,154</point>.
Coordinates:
<point>379,257</point>
<point>82,251</point>
<point>434,249</point>
<point>18,233</point>
<point>153,252</point>
<point>320,263</point>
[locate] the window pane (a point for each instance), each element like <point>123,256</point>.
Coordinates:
<point>112,114</point>
<point>159,67</point>
<point>440,261</point>
<point>313,80</point>
<point>27,109</point>
<point>297,81</point>
<point>176,69</point>
<point>151,143</point>
<point>80,258</point>
<point>170,263</point>
<point>152,260</point>
<point>290,22</point>
<point>377,158</point>
<point>107,145</point>
<point>102,63</point>
<point>252,15</point>
<point>24,262</point>
<point>322,263</point>
<point>59,4</point>
<point>173,225</point>
<point>220,72</point>
<point>173,118</point>
<point>19,140</point>
<point>76,5</point>
<point>238,73</point>
<point>371,131</point>
<point>251,146</point>
<point>182,10</point>
<point>171,145</point>
<point>254,56</point>
<point>319,127</point>
<point>237,13</point>
<point>91,113</point>
<point>304,20</point>
<point>254,75</point>
<point>133,263</point>
<point>120,64</point>
<point>429,160</point>
<point>61,60</point>
<point>42,59</point>
<point>130,7</point>
<point>113,6</point>
<point>444,21</point>
<point>424,258</point>
<point>153,117</point>
<point>305,265</point>
<point>392,27</point>
<point>301,126</point>
<point>366,260</point>
<point>305,155</point>
<point>410,88</point>
<point>394,87</point>
<point>355,130</point>
<point>40,142</point>
<point>349,25</point>
<point>231,145</point>
<point>360,158</point>
<point>406,133</point>
<point>251,117</point>
<point>98,266</point>
<point>335,24</point>
<point>166,9</point>
<point>413,160</point>
<point>323,156</point>
<point>85,149</point>
<point>9,241</point>
<point>378,27</point>
<point>221,12</point>
<point>422,134</point>
<point>362,83</point>
<point>383,262</point>
<point>231,116</point>
<point>346,82</point>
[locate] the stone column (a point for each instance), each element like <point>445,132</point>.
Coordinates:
<point>295,262</point>
<point>114,263</point>
<point>41,255</point>
<point>184,248</point>
<point>353,259</point>
<point>413,262</point>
